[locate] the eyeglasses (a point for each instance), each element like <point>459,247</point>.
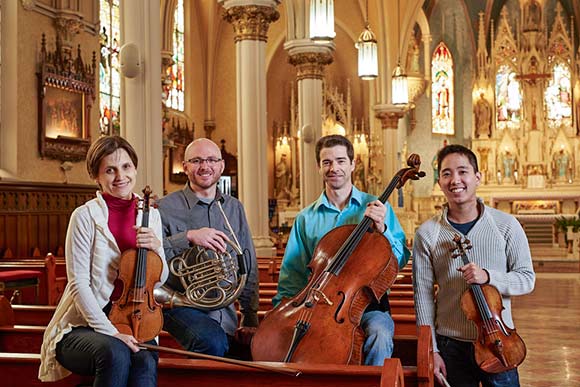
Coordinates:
<point>211,161</point>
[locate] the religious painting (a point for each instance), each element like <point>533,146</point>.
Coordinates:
<point>64,113</point>
<point>442,95</point>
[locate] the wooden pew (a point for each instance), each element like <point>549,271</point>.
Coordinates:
<point>28,338</point>
<point>53,275</point>
<point>22,369</point>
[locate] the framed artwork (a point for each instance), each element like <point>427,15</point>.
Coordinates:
<point>176,173</point>
<point>65,97</point>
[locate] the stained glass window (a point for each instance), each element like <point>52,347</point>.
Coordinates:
<point>176,98</point>
<point>558,97</point>
<point>442,93</point>
<point>509,98</point>
<point>109,69</point>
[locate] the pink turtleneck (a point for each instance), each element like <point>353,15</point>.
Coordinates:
<point>121,221</point>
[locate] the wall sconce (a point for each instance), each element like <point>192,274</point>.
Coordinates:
<point>322,20</point>
<point>399,85</point>
<point>368,61</point>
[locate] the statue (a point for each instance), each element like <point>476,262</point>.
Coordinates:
<point>359,174</point>
<point>283,180</point>
<point>435,169</point>
<point>532,15</point>
<point>509,165</point>
<point>560,164</point>
<point>482,111</point>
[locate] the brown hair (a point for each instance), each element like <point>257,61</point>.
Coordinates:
<point>333,140</point>
<point>103,147</point>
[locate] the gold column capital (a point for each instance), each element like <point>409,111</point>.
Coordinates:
<point>251,22</point>
<point>390,120</point>
<point>310,65</point>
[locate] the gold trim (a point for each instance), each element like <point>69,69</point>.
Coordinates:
<point>310,65</point>
<point>251,22</point>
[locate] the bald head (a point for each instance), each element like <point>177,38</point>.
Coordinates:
<point>202,145</point>
<point>203,165</point>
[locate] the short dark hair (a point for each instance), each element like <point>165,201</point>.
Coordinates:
<point>333,140</point>
<point>456,148</point>
<point>103,147</point>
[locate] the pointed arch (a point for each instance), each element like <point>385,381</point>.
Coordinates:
<point>109,68</point>
<point>175,72</point>
<point>442,91</point>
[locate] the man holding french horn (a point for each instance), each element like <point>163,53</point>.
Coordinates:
<point>211,257</point>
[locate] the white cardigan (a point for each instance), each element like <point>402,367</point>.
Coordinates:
<point>92,259</point>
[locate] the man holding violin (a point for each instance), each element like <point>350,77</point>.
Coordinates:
<point>342,204</point>
<point>500,256</point>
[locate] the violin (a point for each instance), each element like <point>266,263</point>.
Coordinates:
<point>136,312</point>
<point>497,348</point>
<point>352,266</point>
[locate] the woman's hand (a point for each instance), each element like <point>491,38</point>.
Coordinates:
<point>131,342</point>
<point>147,239</point>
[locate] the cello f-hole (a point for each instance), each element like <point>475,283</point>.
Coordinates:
<point>339,307</point>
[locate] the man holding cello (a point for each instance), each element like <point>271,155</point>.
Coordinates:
<point>500,258</point>
<point>342,204</point>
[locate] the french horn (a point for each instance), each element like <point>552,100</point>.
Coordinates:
<point>210,280</point>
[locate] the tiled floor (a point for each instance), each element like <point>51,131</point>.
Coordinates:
<point>548,320</point>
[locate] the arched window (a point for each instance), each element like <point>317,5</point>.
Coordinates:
<point>176,97</point>
<point>508,95</point>
<point>109,69</point>
<point>558,97</point>
<point>442,93</point>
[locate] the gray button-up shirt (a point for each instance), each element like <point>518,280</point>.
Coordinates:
<point>182,211</point>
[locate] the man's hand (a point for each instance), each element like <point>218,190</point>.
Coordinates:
<point>209,238</point>
<point>244,335</point>
<point>439,368</point>
<point>474,274</point>
<point>377,211</point>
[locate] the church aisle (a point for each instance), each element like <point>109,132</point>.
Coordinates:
<point>547,320</point>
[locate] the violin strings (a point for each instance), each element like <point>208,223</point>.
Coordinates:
<point>484,311</point>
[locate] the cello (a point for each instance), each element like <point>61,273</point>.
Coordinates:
<point>136,312</point>
<point>498,348</point>
<point>352,266</point>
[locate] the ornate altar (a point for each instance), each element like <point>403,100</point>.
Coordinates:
<point>526,126</point>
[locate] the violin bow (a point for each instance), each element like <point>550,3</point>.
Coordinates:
<point>263,367</point>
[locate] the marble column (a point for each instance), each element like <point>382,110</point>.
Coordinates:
<point>390,116</point>
<point>309,59</point>
<point>250,20</point>
<point>141,97</point>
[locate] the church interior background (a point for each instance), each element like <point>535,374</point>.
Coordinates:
<point>501,77</point>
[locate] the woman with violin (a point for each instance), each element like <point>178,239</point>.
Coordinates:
<point>472,343</point>
<point>342,204</point>
<point>81,338</point>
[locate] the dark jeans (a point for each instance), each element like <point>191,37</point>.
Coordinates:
<point>462,370</point>
<point>195,331</point>
<point>86,352</point>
